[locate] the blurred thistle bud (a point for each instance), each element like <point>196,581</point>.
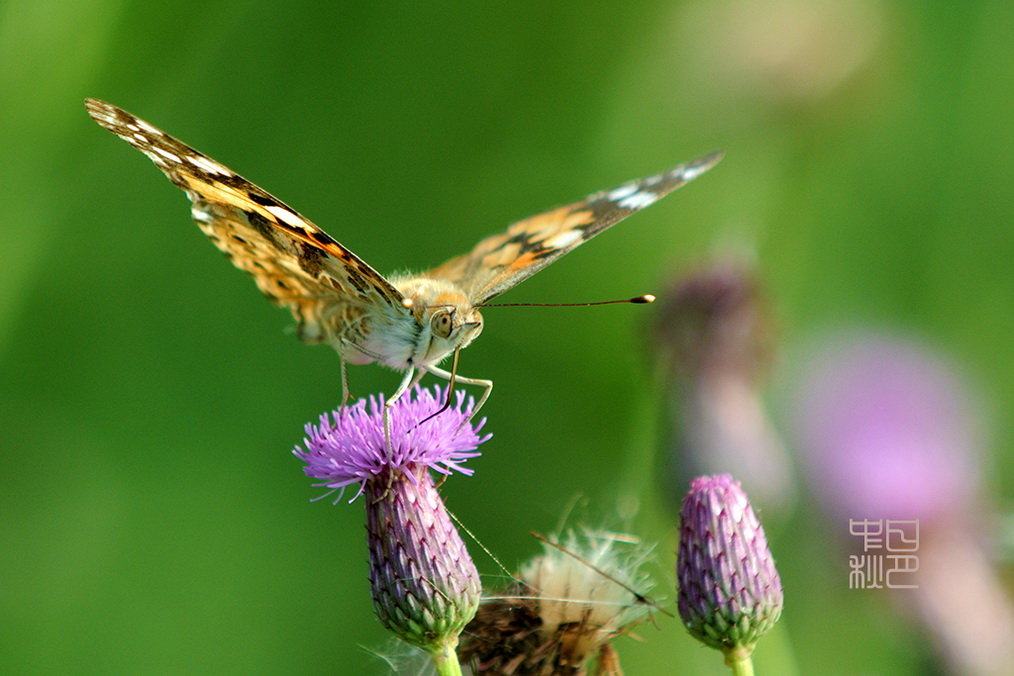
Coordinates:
<point>714,319</point>
<point>424,584</point>
<point>729,590</point>
<point>568,604</point>
<point>713,341</point>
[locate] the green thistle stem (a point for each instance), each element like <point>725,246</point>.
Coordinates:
<point>446,660</point>
<point>740,663</point>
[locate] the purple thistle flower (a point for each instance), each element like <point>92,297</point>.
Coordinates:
<point>424,584</point>
<point>729,590</point>
<point>348,446</point>
<point>891,430</point>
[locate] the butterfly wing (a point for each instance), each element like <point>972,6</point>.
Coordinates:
<point>294,263</point>
<point>501,261</point>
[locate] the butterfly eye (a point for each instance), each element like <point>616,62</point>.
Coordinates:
<point>442,324</point>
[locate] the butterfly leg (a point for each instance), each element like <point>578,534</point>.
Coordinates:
<point>409,379</point>
<point>487,386</point>
<point>346,395</point>
<point>406,382</point>
<point>348,345</point>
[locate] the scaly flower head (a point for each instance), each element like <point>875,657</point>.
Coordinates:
<point>729,590</point>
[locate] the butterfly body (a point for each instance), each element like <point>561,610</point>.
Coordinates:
<point>409,323</point>
<point>439,319</point>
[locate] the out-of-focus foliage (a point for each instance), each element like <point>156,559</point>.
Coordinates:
<point>153,520</point>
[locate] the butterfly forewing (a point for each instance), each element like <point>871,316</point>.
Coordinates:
<point>501,261</point>
<point>294,263</point>
<point>336,297</point>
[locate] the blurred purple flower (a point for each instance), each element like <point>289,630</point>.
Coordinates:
<point>887,431</point>
<point>715,318</point>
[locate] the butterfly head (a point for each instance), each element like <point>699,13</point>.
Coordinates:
<point>447,318</point>
<point>452,327</point>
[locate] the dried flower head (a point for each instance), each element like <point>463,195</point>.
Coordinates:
<point>567,605</point>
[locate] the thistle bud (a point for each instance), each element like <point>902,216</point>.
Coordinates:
<point>713,341</point>
<point>729,590</point>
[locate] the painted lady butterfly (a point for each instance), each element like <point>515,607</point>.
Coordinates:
<point>410,323</point>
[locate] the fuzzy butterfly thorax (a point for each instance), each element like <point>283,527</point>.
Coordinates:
<point>440,320</point>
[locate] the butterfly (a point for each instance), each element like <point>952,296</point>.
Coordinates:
<point>410,323</point>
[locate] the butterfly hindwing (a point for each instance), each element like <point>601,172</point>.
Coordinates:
<point>501,261</point>
<point>294,263</point>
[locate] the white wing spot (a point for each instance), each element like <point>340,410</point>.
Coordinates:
<point>199,213</point>
<point>690,173</point>
<point>156,159</point>
<point>133,127</point>
<point>208,165</point>
<point>622,191</point>
<point>106,116</point>
<point>638,200</point>
<point>287,216</point>
<point>166,154</point>
<point>140,138</point>
<point>148,127</point>
<point>651,182</point>
<point>564,239</point>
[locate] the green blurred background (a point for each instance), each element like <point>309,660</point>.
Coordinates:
<point>154,520</point>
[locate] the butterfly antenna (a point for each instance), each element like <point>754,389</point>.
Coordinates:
<point>639,300</point>
<point>641,598</point>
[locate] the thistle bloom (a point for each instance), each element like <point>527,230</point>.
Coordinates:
<point>351,449</point>
<point>729,590</point>
<point>425,586</point>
